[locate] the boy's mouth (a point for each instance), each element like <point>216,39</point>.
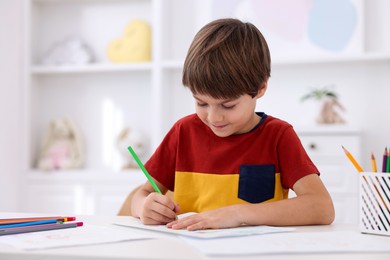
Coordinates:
<point>219,127</point>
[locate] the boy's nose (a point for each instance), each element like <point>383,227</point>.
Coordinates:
<point>214,116</point>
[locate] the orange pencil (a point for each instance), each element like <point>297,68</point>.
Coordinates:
<point>353,161</point>
<point>373,162</point>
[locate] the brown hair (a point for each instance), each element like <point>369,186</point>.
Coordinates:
<point>226,59</point>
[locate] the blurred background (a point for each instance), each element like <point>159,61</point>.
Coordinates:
<point>82,79</point>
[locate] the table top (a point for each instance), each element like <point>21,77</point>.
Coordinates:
<point>168,247</point>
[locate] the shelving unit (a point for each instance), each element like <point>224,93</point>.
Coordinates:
<point>104,97</point>
<point>98,22</point>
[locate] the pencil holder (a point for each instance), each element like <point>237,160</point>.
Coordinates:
<point>374,203</point>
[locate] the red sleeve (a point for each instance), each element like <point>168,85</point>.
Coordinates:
<point>293,159</point>
<point>161,165</point>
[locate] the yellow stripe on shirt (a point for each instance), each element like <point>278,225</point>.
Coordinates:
<point>197,192</point>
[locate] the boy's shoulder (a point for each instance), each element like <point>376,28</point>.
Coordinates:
<point>275,128</point>
<point>275,122</point>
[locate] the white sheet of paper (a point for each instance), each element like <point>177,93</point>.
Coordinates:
<point>293,242</point>
<point>209,233</point>
<point>85,235</point>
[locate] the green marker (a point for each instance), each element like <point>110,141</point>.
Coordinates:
<point>150,179</point>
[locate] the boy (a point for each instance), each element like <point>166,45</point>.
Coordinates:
<point>228,163</point>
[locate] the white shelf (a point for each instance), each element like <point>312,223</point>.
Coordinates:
<point>133,175</point>
<point>364,57</point>
<point>90,68</point>
<point>339,129</point>
<point>292,61</point>
<point>79,191</point>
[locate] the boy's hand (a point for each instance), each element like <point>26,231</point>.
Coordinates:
<point>158,209</point>
<point>227,217</point>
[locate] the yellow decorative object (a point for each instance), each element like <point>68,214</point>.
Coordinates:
<point>134,45</point>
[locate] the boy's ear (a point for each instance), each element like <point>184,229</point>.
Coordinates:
<point>262,90</point>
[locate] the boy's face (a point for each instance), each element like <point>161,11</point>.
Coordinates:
<point>227,117</point>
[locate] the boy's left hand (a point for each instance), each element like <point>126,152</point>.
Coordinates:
<point>226,217</point>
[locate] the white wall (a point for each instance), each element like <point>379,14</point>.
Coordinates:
<point>363,87</point>
<point>10,103</point>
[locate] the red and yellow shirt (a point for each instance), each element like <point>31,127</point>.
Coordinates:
<point>207,172</point>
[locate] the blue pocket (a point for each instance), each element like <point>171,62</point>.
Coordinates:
<point>256,183</point>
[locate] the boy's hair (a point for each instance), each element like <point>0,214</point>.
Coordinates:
<point>227,59</point>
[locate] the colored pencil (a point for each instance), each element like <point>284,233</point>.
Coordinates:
<point>373,162</point>
<point>150,179</point>
<point>388,161</point>
<point>22,220</point>
<point>384,163</point>
<point>20,230</point>
<point>352,159</point>
<point>26,224</point>
<point>360,169</point>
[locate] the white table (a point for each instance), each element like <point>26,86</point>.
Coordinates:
<point>165,247</point>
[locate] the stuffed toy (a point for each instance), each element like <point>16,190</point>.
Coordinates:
<point>134,45</point>
<point>70,51</point>
<point>62,146</point>
<point>130,137</point>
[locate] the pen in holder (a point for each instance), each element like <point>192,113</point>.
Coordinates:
<point>374,203</point>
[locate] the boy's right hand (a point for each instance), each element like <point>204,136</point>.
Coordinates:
<point>158,209</point>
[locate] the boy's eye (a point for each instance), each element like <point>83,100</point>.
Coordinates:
<point>201,104</point>
<point>228,106</point>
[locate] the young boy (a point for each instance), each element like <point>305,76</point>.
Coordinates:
<point>229,164</point>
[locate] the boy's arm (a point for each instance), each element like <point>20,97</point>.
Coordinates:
<point>151,207</point>
<point>313,205</point>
